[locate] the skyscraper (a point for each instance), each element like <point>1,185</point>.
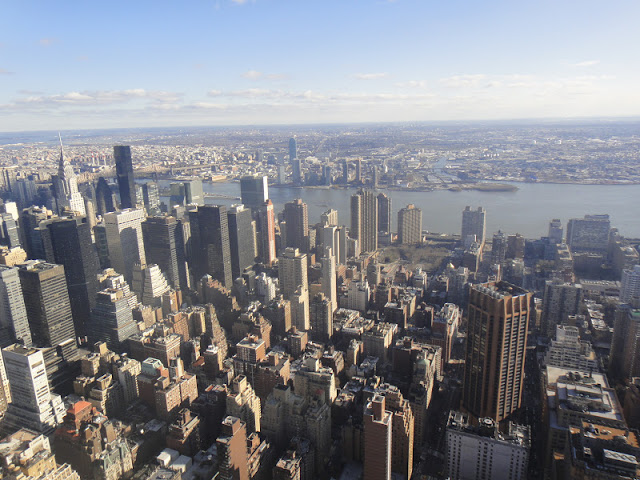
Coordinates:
<point>14,324</point>
<point>329,284</point>
<point>254,191</point>
<point>232,450</point>
<point>297,221</point>
<point>590,233</point>
<point>193,192</point>
<point>112,319</point>
<point>293,149</point>
<point>345,171</point>
<point>555,231</point>
<point>210,249</point>
<point>292,270</point>
<point>69,244</point>
<point>104,197</point>
<point>151,198</point>
<point>33,405</point>
<point>409,225</point>
<point>474,222</point>
<point>10,234</point>
<point>124,172</point>
<point>241,239</point>
<point>358,179</point>
<point>377,440</point>
<point>267,233</point>
<point>560,300</point>
<point>329,218</point>
<point>65,187</point>
<point>495,353</point>
<point>47,302</point>
<point>364,220</point>
<point>124,239</point>
<point>164,246</point>
<point>321,318</point>
<point>630,284</point>
<point>384,213</point>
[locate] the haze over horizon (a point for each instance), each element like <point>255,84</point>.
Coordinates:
<point>261,62</point>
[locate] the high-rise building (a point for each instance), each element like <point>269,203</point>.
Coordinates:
<point>321,318</point>
<point>555,231</point>
<point>232,450</point>
<point>329,283</point>
<point>496,343</point>
<point>46,299</point>
<point>14,324</point>
<point>65,186</point>
<point>30,220</point>
<point>377,440</point>
<point>624,361</point>
<point>112,319</point>
<point>630,288</point>
<point>241,239</point>
<point>267,233</point>
<point>292,270</point>
<point>358,179</point>
<point>33,406</point>
<point>329,218</point>
<point>560,300</point>
<point>242,402</point>
<point>124,240</point>
<point>499,247</point>
<point>345,171</point>
<point>296,217</point>
<point>104,197</point>
<point>409,225</point>
<point>330,238</point>
<point>254,191</point>
<point>124,172</point>
<point>293,149</point>
<point>590,233</point>
<point>482,451</point>
<point>193,192</point>
<point>10,234</point>
<point>364,220</point>
<point>211,253</point>
<point>474,222</point>
<point>151,198</point>
<point>164,246</point>
<point>384,213</point>
<point>69,244</point>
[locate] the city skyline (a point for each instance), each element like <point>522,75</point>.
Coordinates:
<point>263,62</point>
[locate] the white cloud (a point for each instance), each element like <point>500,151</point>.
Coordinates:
<point>253,74</point>
<point>239,2</point>
<point>412,84</point>
<point>370,76</point>
<point>257,75</point>
<point>463,81</point>
<point>586,63</point>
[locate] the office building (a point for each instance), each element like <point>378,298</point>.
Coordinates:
<point>243,403</point>
<point>474,223</point>
<point>499,248</point>
<point>292,271</point>
<point>211,253</point>
<point>293,149</point>
<point>630,287</point>
<point>590,233</point>
<point>409,225</point>
<point>65,186</point>
<point>329,282</point>
<point>624,362</point>
<point>151,198</point>
<point>69,244</point>
<point>254,191</point>
<point>567,350</point>
<point>498,320</point>
<point>104,197</point>
<point>241,239</point>
<point>9,233</point>
<point>321,318</point>
<point>364,220</point>
<point>560,300</point>
<point>33,406</point>
<point>329,218</point>
<point>377,440</point>
<point>164,246</point>
<point>482,451</point>
<point>556,232</point>
<point>193,193</point>
<point>14,323</point>
<point>232,450</point>
<point>112,319</point>
<point>384,213</point>
<point>267,233</point>
<point>296,217</point>
<point>30,220</point>
<point>47,302</point>
<point>124,172</point>
<point>124,238</point>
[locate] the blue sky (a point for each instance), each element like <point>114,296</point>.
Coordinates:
<point>90,64</point>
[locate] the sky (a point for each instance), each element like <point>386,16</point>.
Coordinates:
<point>85,64</point>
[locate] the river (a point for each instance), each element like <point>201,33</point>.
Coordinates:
<point>526,211</point>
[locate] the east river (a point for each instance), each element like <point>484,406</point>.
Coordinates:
<point>526,211</point>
